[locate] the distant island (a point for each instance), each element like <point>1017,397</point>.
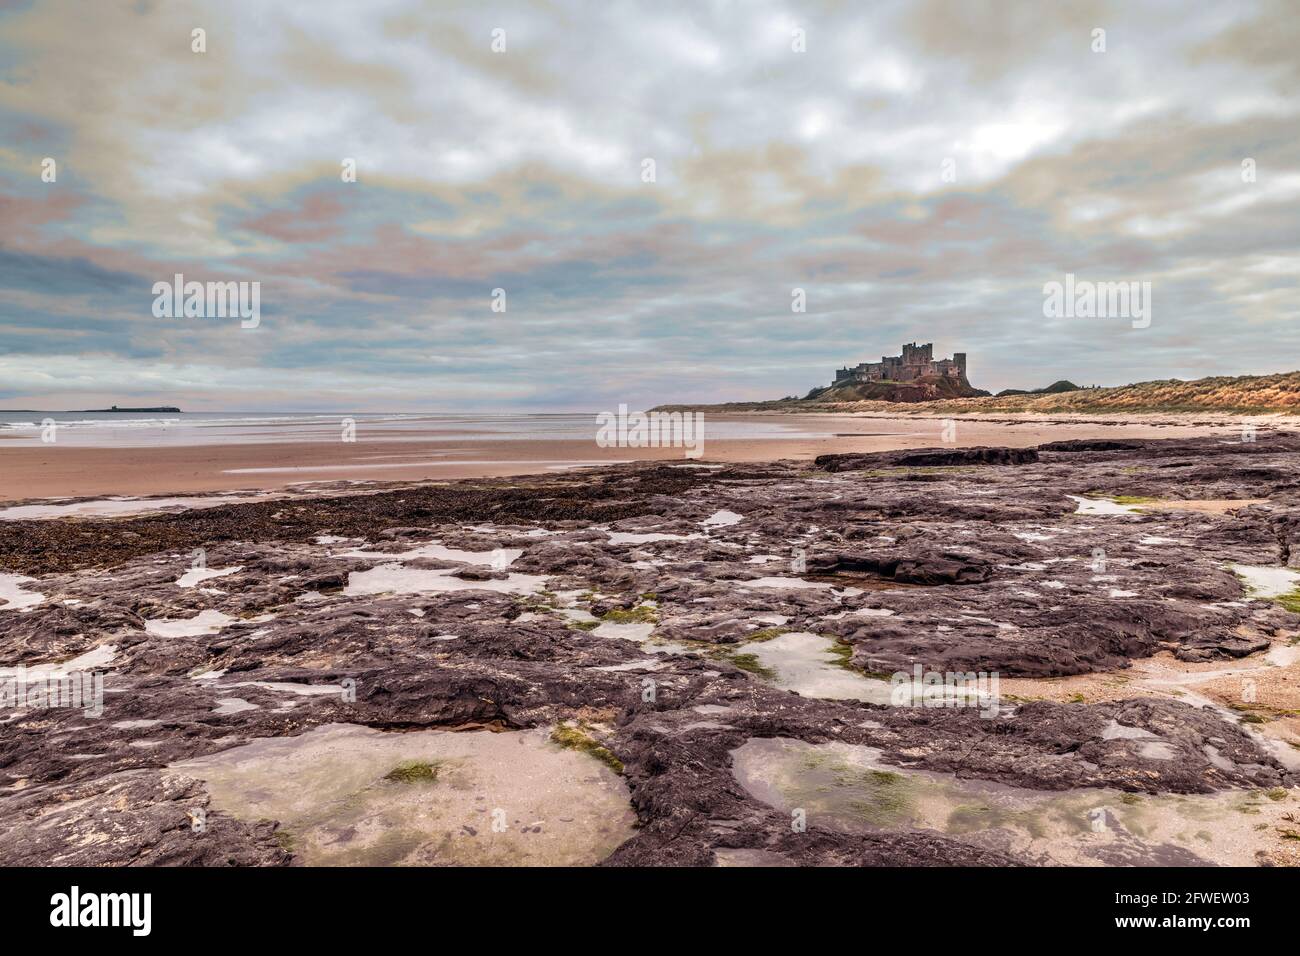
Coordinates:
<point>160,408</point>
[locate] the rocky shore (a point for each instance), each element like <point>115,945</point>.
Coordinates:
<point>674,664</point>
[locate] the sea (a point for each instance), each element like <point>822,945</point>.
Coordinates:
<point>143,430</point>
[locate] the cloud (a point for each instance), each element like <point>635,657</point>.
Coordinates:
<point>921,171</point>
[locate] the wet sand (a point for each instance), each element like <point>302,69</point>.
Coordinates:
<point>33,471</point>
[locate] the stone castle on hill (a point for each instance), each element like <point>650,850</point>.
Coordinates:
<point>917,361</point>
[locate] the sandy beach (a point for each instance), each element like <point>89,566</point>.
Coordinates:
<point>208,461</point>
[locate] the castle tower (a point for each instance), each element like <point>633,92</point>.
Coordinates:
<point>959,359</point>
<point>914,354</point>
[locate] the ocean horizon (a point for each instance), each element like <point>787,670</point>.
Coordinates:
<point>126,429</point>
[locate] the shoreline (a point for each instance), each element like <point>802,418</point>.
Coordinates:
<point>37,472</point>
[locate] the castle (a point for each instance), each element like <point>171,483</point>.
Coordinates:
<point>917,361</point>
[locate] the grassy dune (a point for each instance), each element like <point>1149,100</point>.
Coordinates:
<point>1243,394</point>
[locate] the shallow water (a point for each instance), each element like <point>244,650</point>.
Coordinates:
<point>1267,582</point>
<point>329,790</point>
<point>631,537</point>
<point>198,575</point>
<point>784,582</point>
<point>114,507</point>
<point>289,687</point>
<point>398,579</point>
<point>806,663</point>
<point>14,597</point>
<point>232,705</point>
<point>632,631</point>
<point>205,622</point>
<point>97,658</point>
<point>1101,506</point>
<point>501,558</point>
<point>1106,506</point>
<point>722,519</point>
<point>849,786</point>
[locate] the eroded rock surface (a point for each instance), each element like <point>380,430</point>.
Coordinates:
<point>617,610</point>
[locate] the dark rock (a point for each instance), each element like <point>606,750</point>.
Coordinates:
<point>1090,444</point>
<point>931,569</point>
<point>978,569</point>
<point>927,458</point>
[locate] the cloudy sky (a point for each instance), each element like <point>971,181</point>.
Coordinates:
<point>524,170</point>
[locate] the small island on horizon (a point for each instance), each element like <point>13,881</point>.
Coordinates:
<point>169,409</point>
<point>159,409</point>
